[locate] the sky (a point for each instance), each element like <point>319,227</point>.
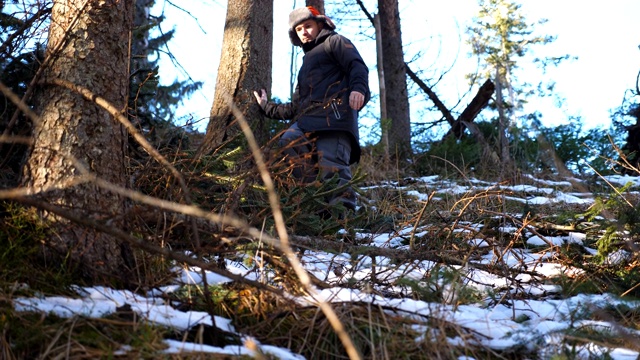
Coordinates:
<point>603,36</point>
<point>534,318</point>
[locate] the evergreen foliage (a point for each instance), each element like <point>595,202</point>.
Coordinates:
<point>584,152</point>
<point>627,120</point>
<point>152,106</point>
<point>503,40</point>
<point>20,58</point>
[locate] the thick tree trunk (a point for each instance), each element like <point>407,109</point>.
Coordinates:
<point>93,38</point>
<point>245,66</point>
<point>395,76</point>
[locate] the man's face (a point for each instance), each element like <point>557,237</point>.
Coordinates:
<point>308,30</point>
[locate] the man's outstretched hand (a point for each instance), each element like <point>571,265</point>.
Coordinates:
<point>261,98</point>
<point>356,100</point>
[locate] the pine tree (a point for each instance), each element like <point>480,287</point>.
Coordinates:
<point>20,58</point>
<point>88,47</point>
<point>501,37</point>
<point>395,79</point>
<point>152,105</point>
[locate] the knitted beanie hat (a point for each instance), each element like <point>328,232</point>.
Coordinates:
<point>302,14</point>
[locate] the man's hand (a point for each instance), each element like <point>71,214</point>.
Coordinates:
<point>261,98</point>
<point>356,100</point>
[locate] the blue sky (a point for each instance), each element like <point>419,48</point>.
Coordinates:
<point>605,39</point>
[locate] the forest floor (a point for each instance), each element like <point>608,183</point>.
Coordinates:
<point>428,267</point>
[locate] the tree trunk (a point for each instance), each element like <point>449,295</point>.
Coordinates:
<point>141,67</point>
<point>395,77</point>
<point>384,125</point>
<point>93,39</point>
<point>245,66</point>
<point>503,140</point>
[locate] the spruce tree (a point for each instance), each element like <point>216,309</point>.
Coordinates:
<point>502,37</point>
<point>152,105</point>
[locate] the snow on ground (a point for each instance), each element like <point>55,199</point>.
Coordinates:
<point>533,322</point>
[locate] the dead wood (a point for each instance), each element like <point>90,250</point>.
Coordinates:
<point>472,110</point>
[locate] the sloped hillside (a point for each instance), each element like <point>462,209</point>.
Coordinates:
<point>426,268</point>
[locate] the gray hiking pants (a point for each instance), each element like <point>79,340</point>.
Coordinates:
<point>321,157</point>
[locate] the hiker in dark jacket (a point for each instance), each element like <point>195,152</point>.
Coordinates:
<point>332,87</point>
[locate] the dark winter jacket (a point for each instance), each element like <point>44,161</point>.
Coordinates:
<point>328,74</point>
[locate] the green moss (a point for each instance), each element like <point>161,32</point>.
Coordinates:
<point>21,243</point>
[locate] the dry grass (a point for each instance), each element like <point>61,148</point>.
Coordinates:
<point>228,183</point>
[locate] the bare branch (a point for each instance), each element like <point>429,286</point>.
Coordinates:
<point>143,244</point>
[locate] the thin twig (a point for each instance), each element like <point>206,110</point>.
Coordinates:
<point>143,244</point>
<point>25,25</point>
<point>412,240</point>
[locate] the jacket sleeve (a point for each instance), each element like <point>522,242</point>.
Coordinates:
<point>284,111</point>
<point>351,63</point>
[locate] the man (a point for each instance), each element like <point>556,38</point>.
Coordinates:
<point>332,87</point>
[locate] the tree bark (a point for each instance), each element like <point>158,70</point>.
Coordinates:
<point>94,38</point>
<point>245,66</point>
<point>395,79</point>
<point>506,168</point>
<point>141,67</point>
<point>384,125</point>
